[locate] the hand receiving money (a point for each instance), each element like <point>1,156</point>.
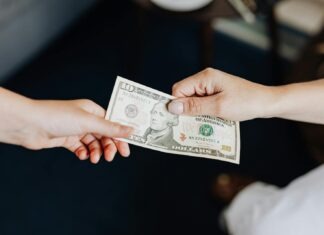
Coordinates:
<point>145,109</point>
<point>77,125</point>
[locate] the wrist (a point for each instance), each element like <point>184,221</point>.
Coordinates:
<point>272,106</point>
<point>269,101</point>
<point>15,112</point>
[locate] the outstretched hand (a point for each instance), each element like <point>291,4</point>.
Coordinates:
<point>77,125</point>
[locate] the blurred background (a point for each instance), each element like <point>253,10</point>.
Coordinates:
<point>68,49</point>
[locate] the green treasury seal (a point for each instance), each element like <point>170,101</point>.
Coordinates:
<point>206,130</point>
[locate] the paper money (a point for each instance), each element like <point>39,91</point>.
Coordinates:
<point>145,109</point>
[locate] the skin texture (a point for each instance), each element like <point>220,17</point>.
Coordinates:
<point>213,92</point>
<point>77,125</point>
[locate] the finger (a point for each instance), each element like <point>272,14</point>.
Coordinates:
<point>195,106</point>
<point>109,148</point>
<point>100,126</point>
<point>122,147</point>
<point>82,153</point>
<point>74,145</point>
<point>94,147</point>
<point>97,136</point>
<point>202,83</point>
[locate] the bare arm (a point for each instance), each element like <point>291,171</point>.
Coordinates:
<point>300,102</point>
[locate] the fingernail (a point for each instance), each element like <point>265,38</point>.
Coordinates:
<point>176,107</point>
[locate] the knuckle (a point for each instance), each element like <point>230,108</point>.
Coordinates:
<point>88,102</point>
<point>91,107</point>
<point>85,102</point>
<point>208,72</point>
<point>70,144</point>
<point>175,87</point>
<point>115,128</point>
<point>194,106</point>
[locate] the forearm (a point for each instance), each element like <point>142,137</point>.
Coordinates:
<point>14,109</point>
<point>299,101</point>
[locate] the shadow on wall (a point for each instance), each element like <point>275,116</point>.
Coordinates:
<point>26,26</point>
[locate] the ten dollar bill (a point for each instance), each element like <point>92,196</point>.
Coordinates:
<point>145,109</point>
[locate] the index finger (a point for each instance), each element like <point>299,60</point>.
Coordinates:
<point>202,83</point>
<point>100,126</point>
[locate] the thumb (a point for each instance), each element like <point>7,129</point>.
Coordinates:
<point>194,106</point>
<point>107,128</point>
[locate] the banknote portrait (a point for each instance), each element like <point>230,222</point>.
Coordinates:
<point>162,122</point>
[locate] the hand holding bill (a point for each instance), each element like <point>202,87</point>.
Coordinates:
<point>213,92</point>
